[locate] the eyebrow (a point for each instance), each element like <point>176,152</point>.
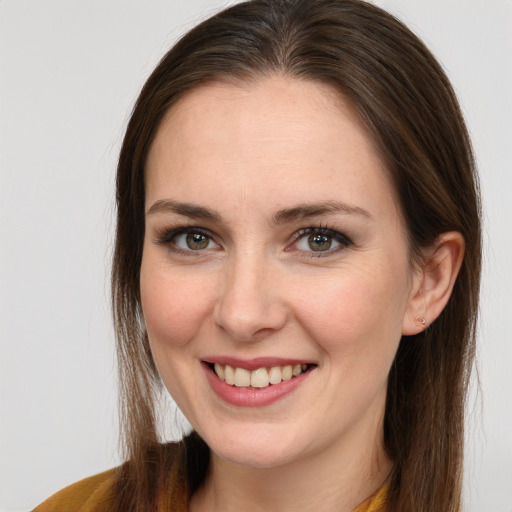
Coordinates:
<point>306,211</point>
<point>186,209</point>
<point>300,212</point>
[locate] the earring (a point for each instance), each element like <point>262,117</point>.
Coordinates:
<point>421,320</point>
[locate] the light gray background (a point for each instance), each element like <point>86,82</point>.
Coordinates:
<point>69,74</point>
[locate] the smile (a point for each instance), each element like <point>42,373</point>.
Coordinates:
<point>255,383</point>
<point>260,377</point>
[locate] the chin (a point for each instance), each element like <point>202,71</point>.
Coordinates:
<point>254,458</point>
<point>263,450</point>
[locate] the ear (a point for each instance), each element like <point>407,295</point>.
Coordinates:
<point>433,282</point>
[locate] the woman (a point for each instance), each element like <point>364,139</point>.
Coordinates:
<point>297,261</point>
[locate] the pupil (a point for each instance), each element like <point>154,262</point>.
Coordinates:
<point>197,241</point>
<point>319,242</point>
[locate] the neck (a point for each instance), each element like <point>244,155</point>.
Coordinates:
<point>337,479</point>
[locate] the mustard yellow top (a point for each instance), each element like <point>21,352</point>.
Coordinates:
<point>377,502</point>
<point>88,495</point>
<point>92,495</point>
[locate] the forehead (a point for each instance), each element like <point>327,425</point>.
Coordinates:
<point>271,106</point>
<point>279,134</point>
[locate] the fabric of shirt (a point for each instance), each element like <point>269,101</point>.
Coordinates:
<point>94,494</point>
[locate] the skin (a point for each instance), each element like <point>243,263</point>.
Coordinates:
<point>257,289</point>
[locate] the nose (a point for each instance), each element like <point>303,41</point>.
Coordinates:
<point>250,304</point>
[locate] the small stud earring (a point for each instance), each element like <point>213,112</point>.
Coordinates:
<point>421,320</point>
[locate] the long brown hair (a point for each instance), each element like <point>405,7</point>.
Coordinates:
<point>408,106</point>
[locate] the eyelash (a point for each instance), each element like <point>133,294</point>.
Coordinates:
<point>167,236</point>
<point>333,234</point>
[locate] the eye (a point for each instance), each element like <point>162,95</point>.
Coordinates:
<point>320,240</point>
<point>316,242</point>
<point>192,241</point>
<point>187,240</point>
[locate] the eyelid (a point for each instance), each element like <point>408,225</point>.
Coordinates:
<point>340,237</point>
<point>165,237</point>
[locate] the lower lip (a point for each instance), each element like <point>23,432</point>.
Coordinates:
<point>253,397</point>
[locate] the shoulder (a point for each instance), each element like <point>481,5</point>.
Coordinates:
<point>98,493</point>
<point>88,495</point>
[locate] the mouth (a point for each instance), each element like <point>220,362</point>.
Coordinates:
<point>258,378</point>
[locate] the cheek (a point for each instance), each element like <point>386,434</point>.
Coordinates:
<point>173,306</point>
<point>356,316</point>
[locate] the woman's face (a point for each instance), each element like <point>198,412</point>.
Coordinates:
<point>273,244</point>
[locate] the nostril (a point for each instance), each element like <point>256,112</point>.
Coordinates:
<point>247,309</point>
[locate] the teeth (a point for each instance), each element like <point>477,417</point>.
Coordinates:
<point>274,376</point>
<point>260,378</point>
<point>229,375</point>
<point>219,371</point>
<point>287,372</point>
<point>242,378</point>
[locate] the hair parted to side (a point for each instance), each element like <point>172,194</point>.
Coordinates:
<point>408,106</point>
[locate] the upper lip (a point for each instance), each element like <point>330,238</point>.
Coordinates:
<point>255,363</point>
